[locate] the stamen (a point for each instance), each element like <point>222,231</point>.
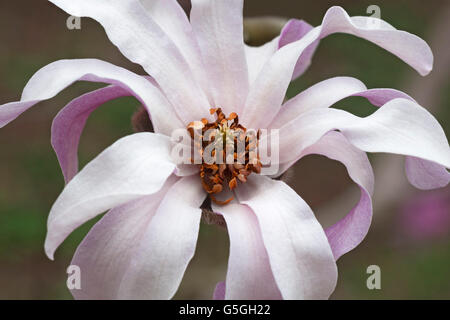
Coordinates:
<point>235,168</point>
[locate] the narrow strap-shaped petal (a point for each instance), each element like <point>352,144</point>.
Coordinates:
<point>132,167</point>
<point>218,27</point>
<point>105,253</point>
<point>172,19</point>
<point>326,93</point>
<point>422,174</point>
<point>268,90</point>
<point>300,255</point>
<point>53,78</point>
<point>167,246</point>
<point>143,41</point>
<point>348,233</point>
<point>258,56</point>
<point>219,291</point>
<point>69,124</point>
<point>400,126</point>
<point>321,95</point>
<point>295,30</point>
<point>426,175</point>
<point>249,275</point>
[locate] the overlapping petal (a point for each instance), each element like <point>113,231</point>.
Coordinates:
<point>218,27</point>
<point>300,256</point>
<point>348,233</point>
<point>172,19</point>
<point>268,90</point>
<point>295,30</point>
<point>249,274</point>
<point>168,244</point>
<point>138,36</point>
<point>400,126</point>
<point>105,253</point>
<point>69,124</point>
<point>326,93</point>
<point>53,78</point>
<point>134,166</point>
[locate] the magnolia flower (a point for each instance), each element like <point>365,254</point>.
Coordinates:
<point>142,246</point>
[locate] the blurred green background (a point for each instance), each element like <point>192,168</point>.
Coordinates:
<point>414,257</point>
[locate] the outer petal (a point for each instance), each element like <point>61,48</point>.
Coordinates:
<point>400,126</point>
<point>55,77</point>
<point>422,174</point>
<point>167,246</point>
<point>133,167</point>
<point>426,175</point>
<point>295,30</point>
<point>268,91</point>
<point>291,32</point>
<point>172,19</point>
<point>348,233</point>
<point>258,56</point>
<point>143,41</point>
<point>219,291</point>
<point>326,93</point>
<point>105,253</point>
<point>69,124</point>
<point>300,256</point>
<point>218,26</point>
<point>249,275</point>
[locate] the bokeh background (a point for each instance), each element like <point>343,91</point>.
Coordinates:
<point>409,238</point>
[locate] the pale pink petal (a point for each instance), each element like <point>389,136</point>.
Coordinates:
<point>249,275</point>
<point>143,41</point>
<point>292,31</point>
<point>105,253</point>
<point>422,174</point>
<point>268,90</point>
<point>172,19</point>
<point>132,167</point>
<point>348,233</point>
<point>400,126</point>
<point>295,30</point>
<point>218,27</point>
<point>167,246</point>
<point>258,56</point>
<point>300,255</point>
<point>326,93</point>
<point>426,175</point>
<point>321,95</point>
<point>219,291</point>
<point>53,78</point>
<point>69,124</point>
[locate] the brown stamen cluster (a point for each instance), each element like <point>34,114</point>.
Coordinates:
<point>237,157</point>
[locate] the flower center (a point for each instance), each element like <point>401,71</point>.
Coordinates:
<point>228,152</point>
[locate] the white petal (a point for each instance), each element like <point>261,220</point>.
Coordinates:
<point>53,78</point>
<point>105,253</point>
<point>133,167</point>
<point>400,126</point>
<point>218,27</point>
<point>258,56</point>
<point>348,233</point>
<point>321,95</point>
<point>267,92</point>
<point>249,276</point>
<point>158,264</point>
<point>426,175</point>
<point>300,256</point>
<point>143,41</point>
